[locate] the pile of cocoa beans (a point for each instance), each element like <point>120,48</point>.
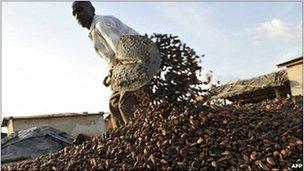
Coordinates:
<point>190,136</point>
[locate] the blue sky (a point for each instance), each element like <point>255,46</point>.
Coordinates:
<point>49,64</point>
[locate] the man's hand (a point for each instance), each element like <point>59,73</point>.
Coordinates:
<point>107,81</point>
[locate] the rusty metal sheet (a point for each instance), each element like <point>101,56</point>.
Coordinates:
<point>139,60</point>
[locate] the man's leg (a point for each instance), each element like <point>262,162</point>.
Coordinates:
<point>127,105</point>
<point>116,118</point>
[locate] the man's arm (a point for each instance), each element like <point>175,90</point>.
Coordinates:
<point>112,28</point>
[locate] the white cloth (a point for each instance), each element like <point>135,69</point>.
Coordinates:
<point>105,32</point>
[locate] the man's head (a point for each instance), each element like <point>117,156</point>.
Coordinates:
<point>84,12</point>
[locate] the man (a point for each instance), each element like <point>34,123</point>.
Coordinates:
<point>105,32</point>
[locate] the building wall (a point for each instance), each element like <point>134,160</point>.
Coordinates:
<point>92,125</point>
<point>295,75</point>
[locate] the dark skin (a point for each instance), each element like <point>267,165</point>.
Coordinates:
<point>84,14</point>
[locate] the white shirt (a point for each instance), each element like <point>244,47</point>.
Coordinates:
<point>105,32</point>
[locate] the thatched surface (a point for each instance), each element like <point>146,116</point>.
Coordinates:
<point>257,86</point>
